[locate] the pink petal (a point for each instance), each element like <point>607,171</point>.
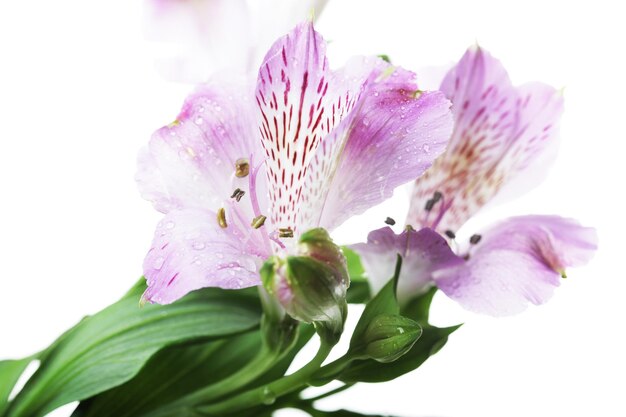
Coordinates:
<point>191,251</point>
<point>517,261</point>
<point>423,252</point>
<point>191,162</point>
<point>300,102</point>
<point>394,136</point>
<point>499,131</point>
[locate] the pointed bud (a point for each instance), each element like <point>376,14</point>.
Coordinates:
<point>311,286</point>
<point>389,336</point>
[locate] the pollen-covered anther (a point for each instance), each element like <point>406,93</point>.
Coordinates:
<point>221,218</point>
<point>285,232</point>
<point>409,228</point>
<point>390,221</point>
<point>237,194</point>
<point>258,221</point>
<point>242,167</point>
<point>450,234</point>
<point>475,239</point>
<point>437,196</point>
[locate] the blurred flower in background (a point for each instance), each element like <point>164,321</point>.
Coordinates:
<point>194,38</point>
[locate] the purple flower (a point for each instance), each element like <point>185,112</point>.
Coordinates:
<point>502,134</point>
<point>244,170</point>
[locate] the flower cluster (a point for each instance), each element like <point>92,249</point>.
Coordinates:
<point>247,169</point>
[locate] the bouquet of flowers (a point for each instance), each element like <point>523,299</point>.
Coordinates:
<point>252,177</point>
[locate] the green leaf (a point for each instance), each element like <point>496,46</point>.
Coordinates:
<point>355,267</point>
<point>10,372</point>
<point>359,290</point>
<point>171,374</point>
<point>109,348</point>
<point>418,308</point>
<point>430,342</point>
<point>337,413</point>
<point>385,302</point>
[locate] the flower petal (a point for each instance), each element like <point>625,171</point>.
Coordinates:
<point>394,136</point>
<point>190,251</point>
<point>517,261</point>
<point>499,131</point>
<point>191,162</point>
<point>300,103</point>
<point>423,252</point>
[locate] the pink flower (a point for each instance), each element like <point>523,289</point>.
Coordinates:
<point>244,170</point>
<point>502,135</point>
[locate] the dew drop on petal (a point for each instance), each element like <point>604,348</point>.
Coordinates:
<point>198,245</point>
<point>158,262</point>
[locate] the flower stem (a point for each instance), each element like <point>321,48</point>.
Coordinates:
<point>251,371</point>
<point>267,394</point>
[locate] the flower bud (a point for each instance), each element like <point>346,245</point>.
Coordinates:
<point>311,286</point>
<point>389,336</point>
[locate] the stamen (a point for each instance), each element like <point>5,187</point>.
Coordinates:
<point>429,205</point>
<point>258,221</point>
<point>221,218</point>
<point>390,221</point>
<point>437,196</point>
<point>242,167</point>
<point>237,194</point>
<point>409,228</point>
<point>475,239</point>
<point>450,234</point>
<point>285,232</point>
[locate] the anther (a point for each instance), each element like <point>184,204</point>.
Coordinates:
<point>429,205</point>
<point>221,217</point>
<point>237,194</point>
<point>258,221</point>
<point>409,228</point>
<point>390,221</point>
<point>437,196</point>
<point>450,234</point>
<point>285,232</point>
<point>242,167</point>
<point>475,239</point>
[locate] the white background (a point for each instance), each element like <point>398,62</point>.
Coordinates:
<point>79,96</point>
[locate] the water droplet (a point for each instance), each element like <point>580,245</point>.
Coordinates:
<point>268,396</point>
<point>199,120</point>
<point>158,262</point>
<point>198,245</point>
<point>170,225</point>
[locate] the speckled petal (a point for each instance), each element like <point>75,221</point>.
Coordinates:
<point>191,162</point>
<point>423,252</point>
<point>190,251</point>
<point>499,131</point>
<point>394,136</point>
<point>300,102</point>
<point>518,261</point>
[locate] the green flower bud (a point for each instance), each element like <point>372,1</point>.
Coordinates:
<point>312,285</point>
<point>388,337</point>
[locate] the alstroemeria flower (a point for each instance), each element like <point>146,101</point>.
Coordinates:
<point>244,170</point>
<point>500,131</point>
<point>199,37</point>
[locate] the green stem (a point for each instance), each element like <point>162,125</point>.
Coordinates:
<point>267,394</point>
<point>329,393</point>
<point>253,370</point>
